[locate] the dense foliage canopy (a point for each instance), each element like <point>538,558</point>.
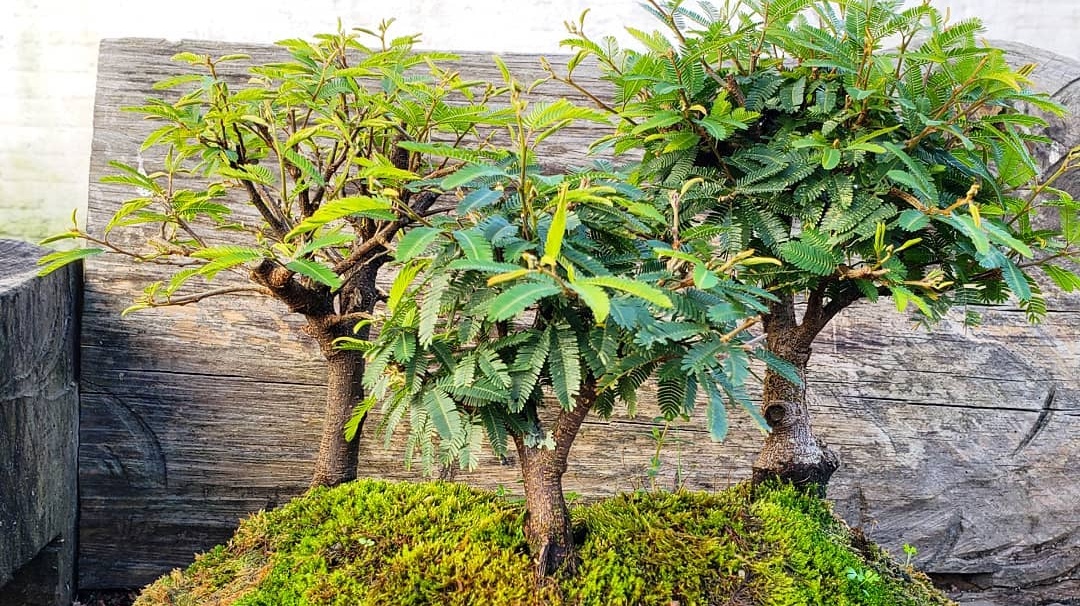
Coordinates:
<point>544,282</point>
<point>875,149</point>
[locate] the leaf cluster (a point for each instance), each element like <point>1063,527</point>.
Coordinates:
<point>874,149</point>
<point>549,288</point>
<point>295,164</point>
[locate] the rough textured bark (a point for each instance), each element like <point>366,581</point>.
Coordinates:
<point>337,458</point>
<point>547,521</point>
<point>791,451</point>
<point>547,518</point>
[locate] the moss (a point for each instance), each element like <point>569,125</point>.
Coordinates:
<point>373,542</point>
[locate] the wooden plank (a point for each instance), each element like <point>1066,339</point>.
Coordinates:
<point>948,438</point>
<point>39,419</point>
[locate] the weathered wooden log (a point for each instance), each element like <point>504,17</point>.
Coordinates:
<point>962,442</point>
<point>39,408</point>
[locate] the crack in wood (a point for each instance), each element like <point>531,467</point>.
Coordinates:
<point>208,376</point>
<point>1041,422</point>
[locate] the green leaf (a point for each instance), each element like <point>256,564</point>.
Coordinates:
<point>56,260</point>
<point>830,158</point>
<point>659,120</point>
<point>670,395</point>
<point>778,365</point>
<point>474,245</point>
<point>680,141</point>
<point>352,426</point>
<point>402,280</point>
<point>966,225</point>
<point>481,197</point>
<point>703,278</point>
<point>302,135</point>
<point>595,298</point>
<point>715,129</point>
<point>553,243</point>
<point>528,364</point>
<point>716,420</point>
<point>1066,280</point>
<point>132,177</point>
<point>225,257</point>
<point>1016,279</point>
<point>470,173</point>
<point>913,220</point>
<point>516,299</point>
<point>306,167</point>
<point>357,206</point>
<point>638,289</point>
<point>808,257</point>
<point>429,307</point>
<point>331,239</point>
<point>174,81</point>
<point>316,271</point>
<point>443,413</point>
<point>488,267</point>
<point>1003,237</point>
<point>495,428</point>
<point>414,242</point>
<point>918,178</point>
<point>564,364</point>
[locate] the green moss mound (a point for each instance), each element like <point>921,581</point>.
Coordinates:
<point>372,542</point>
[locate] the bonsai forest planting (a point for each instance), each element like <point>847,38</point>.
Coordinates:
<point>757,168</point>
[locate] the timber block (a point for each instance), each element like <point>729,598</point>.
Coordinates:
<point>39,422</point>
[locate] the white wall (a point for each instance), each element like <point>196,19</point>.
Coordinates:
<point>48,59</point>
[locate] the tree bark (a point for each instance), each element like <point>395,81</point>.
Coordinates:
<point>328,317</point>
<point>791,451</point>
<point>336,460</point>
<point>547,518</point>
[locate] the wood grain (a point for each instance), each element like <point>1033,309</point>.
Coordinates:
<point>949,440</point>
<point>39,420</point>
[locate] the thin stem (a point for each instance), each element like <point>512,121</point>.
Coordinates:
<point>189,299</point>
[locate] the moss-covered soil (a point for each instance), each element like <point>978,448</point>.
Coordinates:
<point>373,542</point>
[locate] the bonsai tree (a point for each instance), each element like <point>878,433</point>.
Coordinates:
<point>291,185</point>
<point>541,289</point>
<point>869,170</point>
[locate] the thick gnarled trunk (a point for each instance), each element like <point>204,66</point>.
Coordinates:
<point>791,451</point>
<point>547,518</point>
<point>336,460</point>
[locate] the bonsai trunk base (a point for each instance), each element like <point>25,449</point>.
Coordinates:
<point>791,452</point>
<point>547,518</point>
<point>337,459</point>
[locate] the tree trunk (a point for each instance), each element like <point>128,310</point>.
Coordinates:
<point>547,518</point>
<point>791,451</point>
<point>336,460</point>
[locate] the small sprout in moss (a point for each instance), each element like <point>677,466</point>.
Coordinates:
<point>910,551</point>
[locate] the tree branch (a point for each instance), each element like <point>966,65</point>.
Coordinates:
<point>380,238</point>
<point>569,422</point>
<point>277,226</point>
<point>189,299</point>
<point>298,298</point>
